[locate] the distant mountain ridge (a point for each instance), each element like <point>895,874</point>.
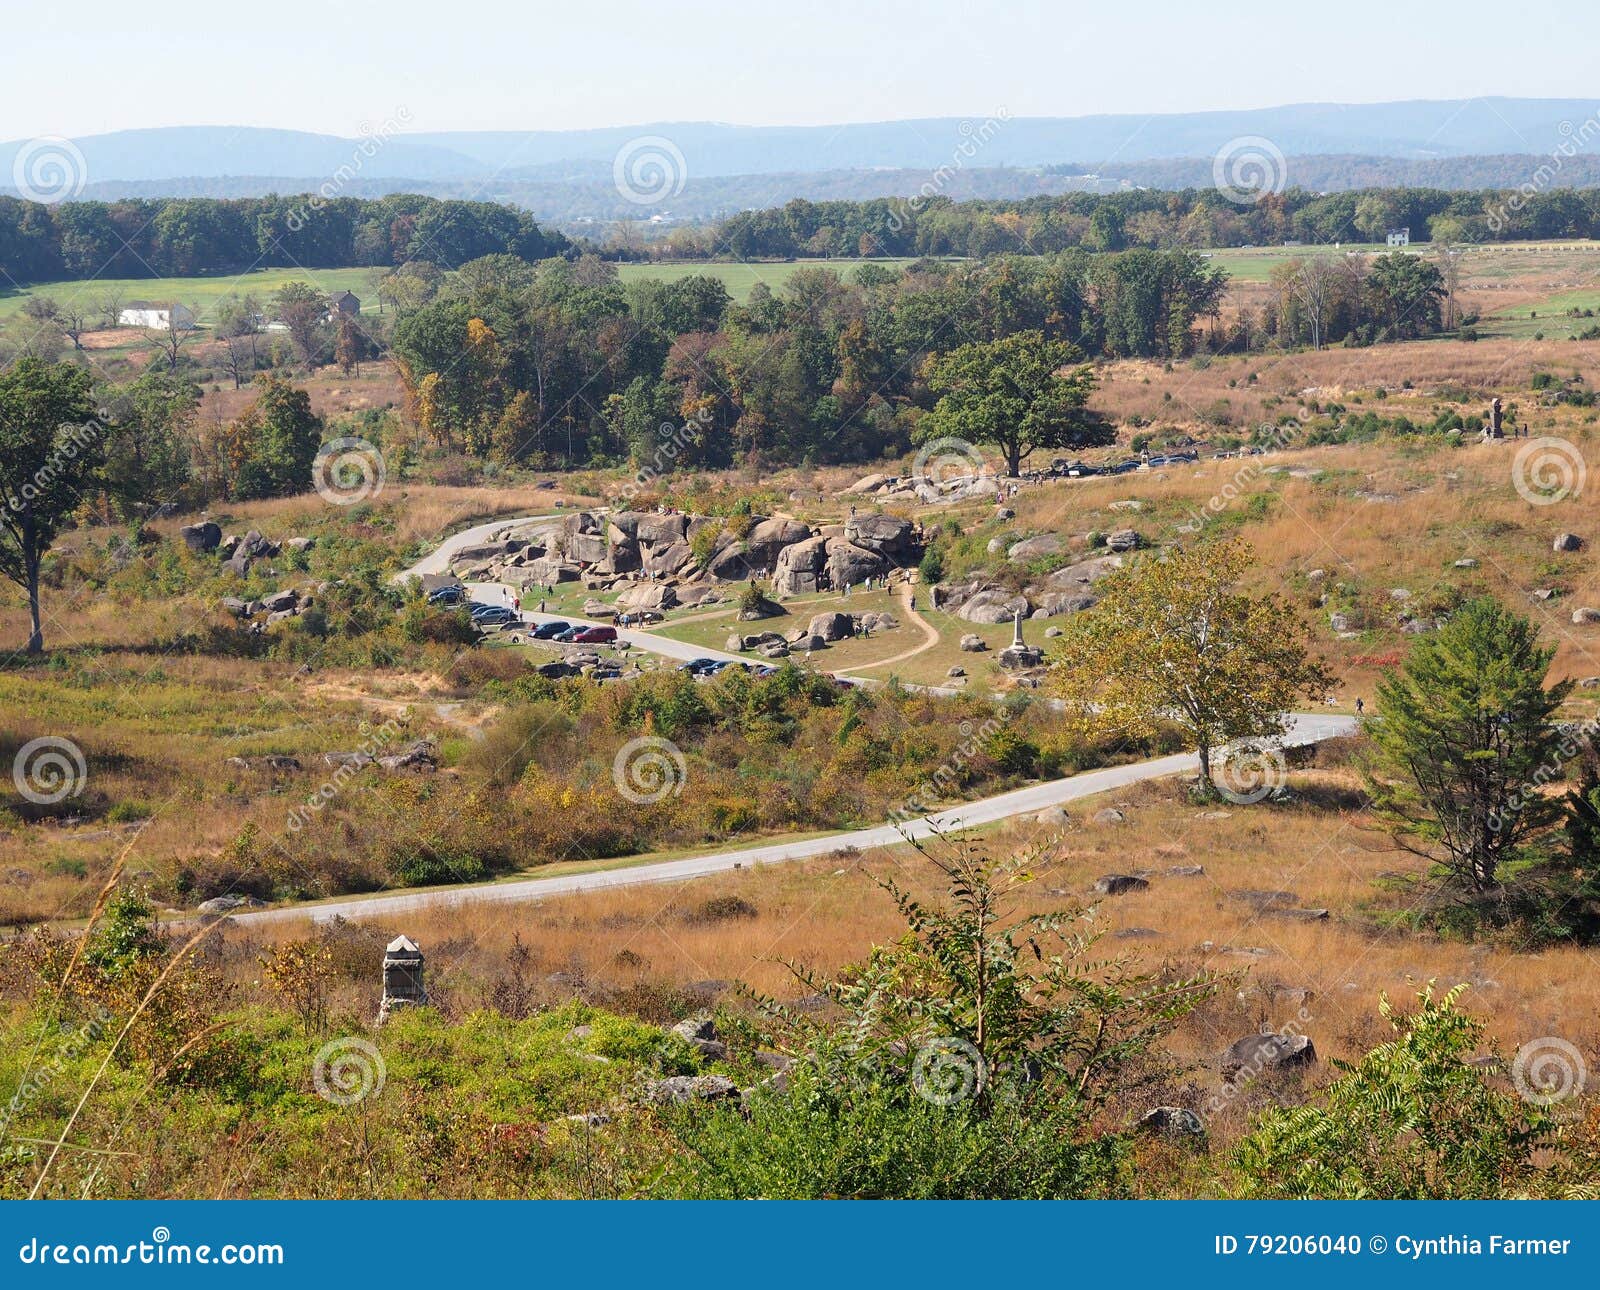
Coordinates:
<point>1415,130</point>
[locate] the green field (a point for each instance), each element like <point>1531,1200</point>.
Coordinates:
<point>739,278</point>
<point>200,294</point>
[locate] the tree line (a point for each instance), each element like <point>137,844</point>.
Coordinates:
<point>186,236</point>
<point>183,237</point>
<point>1163,220</point>
<point>559,361</point>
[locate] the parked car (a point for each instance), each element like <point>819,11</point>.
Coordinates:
<point>567,635</point>
<point>549,631</point>
<point>698,666</point>
<point>488,615</point>
<point>595,636</point>
<point>447,595</point>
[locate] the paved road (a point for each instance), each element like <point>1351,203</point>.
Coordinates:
<point>1306,728</point>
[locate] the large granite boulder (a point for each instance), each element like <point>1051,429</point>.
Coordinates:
<point>731,564</point>
<point>887,535</point>
<point>992,606</point>
<point>1036,548</point>
<point>1049,604</point>
<point>201,537</point>
<point>648,595</point>
<point>769,537</point>
<point>661,530</point>
<point>1255,1054</point>
<point>833,627</point>
<point>849,564</point>
<point>624,522</point>
<point>252,546</point>
<point>1083,574</point>
<point>799,567</point>
<point>549,571</point>
<point>664,562</point>
<point>585,548</point>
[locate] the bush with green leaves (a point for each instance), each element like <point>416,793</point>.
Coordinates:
<point>1412,1120</point>
<point>968,1058</point>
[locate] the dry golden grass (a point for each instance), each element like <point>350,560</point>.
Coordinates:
<point>1139,387</point>
<point>1322,850</point>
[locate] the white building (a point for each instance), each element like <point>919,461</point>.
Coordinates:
<point>141,313</point>
<point>1399,237</point>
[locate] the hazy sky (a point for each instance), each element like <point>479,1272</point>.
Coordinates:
<point>497,64</point>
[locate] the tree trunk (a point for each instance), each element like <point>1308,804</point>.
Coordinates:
<point>36,634</point>
<point>1206,784</point>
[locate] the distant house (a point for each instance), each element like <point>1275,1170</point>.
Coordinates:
<point>346,302</point>
<point>1399,237</point>
<point>142,313</point>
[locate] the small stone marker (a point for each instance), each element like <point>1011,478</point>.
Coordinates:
<point>402,977</point>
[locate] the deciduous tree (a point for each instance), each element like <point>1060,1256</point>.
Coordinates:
<point>1176,640</point>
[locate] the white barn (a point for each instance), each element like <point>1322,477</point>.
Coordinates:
<point>1399,237</point>
<point>141,313</point>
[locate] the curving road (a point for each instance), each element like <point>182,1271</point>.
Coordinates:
<point>1304,728</point>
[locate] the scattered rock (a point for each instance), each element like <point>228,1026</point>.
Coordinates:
<point>681,1089</point>
<point>1109,815</point>
<point>202,537</point>
<point>1117,884</point>
<point>1466,562</point>
<point>833,626</point>
<point>958,670</point>
<point>1052,815</point>
<point>1171,1122</point>
<point>1186,871</point>
<point>1299,915</point>
<point>226,904</point>
<point>1037,548</point>
<point>417,755</point>
<point>1567,542</point>
<point>1123,540</point>
<point>972,643</point>
<point>1263,900</point>
<point>1586,615</point>
<point>1257,1053</point>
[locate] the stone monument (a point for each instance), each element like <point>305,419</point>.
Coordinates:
<point>1019,655</point>
<point>402,977</point>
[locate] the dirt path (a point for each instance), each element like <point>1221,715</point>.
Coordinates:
<point>929,631</point>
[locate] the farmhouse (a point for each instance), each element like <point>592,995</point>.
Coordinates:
<point>1399,237</point>
<point>346,302</point>
<point>142,313</point>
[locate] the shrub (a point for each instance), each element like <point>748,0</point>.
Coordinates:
<point>1410,1121</point>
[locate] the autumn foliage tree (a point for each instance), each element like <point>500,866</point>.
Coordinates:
<point>1174,640</point>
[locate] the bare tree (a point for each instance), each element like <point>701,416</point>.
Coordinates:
<point>239,329</point>
<point>110,307</point>
<point>1313,286</point>
<point>74,319</point>
<point>168,340</point>
<point>1449,257</point>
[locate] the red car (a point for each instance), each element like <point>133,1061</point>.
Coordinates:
<point>595,636</point>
